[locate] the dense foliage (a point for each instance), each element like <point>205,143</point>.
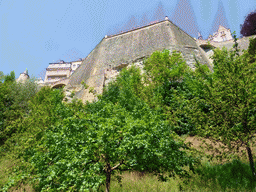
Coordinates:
<point>162,85</point>
<point>135,125</point>
<point>248,28</point>
<point>252,50</point>
<point>14,98</point>
<point>226,113</point>
<point>84,150</point>
<point>2,76</point>
<point>42,107</point>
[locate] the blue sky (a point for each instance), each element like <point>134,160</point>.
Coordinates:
<point>36,33</point>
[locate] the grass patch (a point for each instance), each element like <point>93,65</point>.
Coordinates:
<point>5,165</point>
<point>136,181</point>
<point>234,175</point>
<point>231,176</point>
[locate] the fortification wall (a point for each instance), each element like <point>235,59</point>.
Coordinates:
<point>132,47</point>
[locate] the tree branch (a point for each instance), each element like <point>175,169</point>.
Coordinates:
<point>113,168</point>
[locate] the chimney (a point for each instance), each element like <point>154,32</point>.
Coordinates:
<point>166,18</point>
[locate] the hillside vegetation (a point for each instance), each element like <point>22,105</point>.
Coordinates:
<point>136,136</point>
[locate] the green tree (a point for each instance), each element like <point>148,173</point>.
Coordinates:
<point>252,50</point>
<point>248,28</point>
<point>10,77</point>
<point>226,109</point>
<point>85,150</point>
<point>44,110</point>
<point>14,101</point>
<point>162,68</point>
<point>165,88</point>
<point>6,101</point>
<point>1,76</point>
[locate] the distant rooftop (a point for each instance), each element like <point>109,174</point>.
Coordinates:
<point>137,27</point>
<point>69,62</point>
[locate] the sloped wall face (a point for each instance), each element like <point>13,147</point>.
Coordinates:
<point>243,43</point>
<point>181,37</point>
<point>86,68</point>
<point>136,44</point>
<point>122,49</point>
<point>129,47</point>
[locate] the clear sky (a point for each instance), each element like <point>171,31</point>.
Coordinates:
<point>36,33</point>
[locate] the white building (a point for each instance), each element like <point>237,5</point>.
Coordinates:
<point>223,34</point>
<point>75,65</point>
<point>60,70</point>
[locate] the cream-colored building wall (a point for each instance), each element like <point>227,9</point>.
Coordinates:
<point>53,76</point>
<point>57,71</point>
<point>75,65</point>
<point>223,34</point>
<point>22,78</point>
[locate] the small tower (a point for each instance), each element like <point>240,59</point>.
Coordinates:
<point>23,76</point>
<point>200,37</point>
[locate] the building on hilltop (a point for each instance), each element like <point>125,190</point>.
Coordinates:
<point>60,70</point>
<point>115,52</point>
<point>129,47</point>
<point>223,34</point>
<point>75,65</point>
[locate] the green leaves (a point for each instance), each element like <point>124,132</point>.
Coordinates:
<point>109,136</point>
<point>161,67</point>
<point>79,147</point>
<point>224,109</point>
<point>2,76</point>
<point>10,77</point>
<point>14,98</point>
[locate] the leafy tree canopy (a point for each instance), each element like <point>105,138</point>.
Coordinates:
<point>14,104</point>
<point>162,85</point>
<point>252,50</point>
<point>248,28</point>
<point>226,112</point>
<point>1,76</point>
<point>84,150</point>
<point>9,77</point>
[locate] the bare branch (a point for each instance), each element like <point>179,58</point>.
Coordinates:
<point>113,168</point>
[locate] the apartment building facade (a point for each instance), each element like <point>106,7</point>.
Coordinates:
<point>60,70</point>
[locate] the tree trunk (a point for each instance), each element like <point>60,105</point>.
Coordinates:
<point>108,174</point>
<point>108,177</point>
<point>251,161</point>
